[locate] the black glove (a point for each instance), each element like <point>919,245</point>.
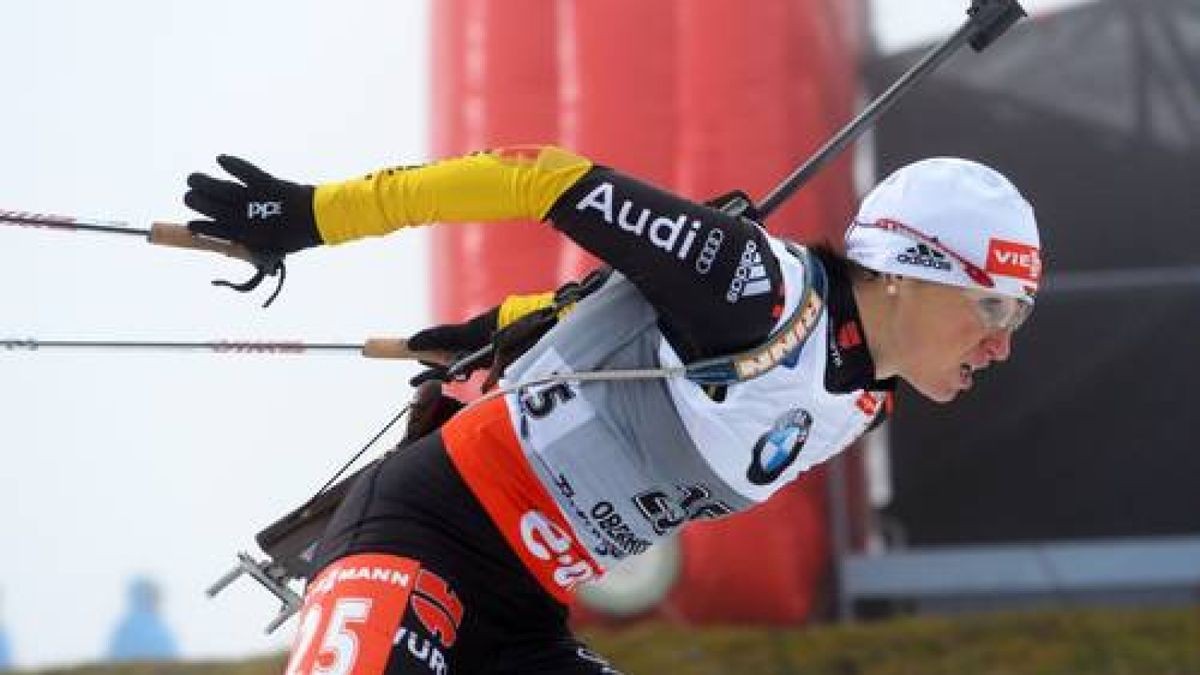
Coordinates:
<point>263,213</point>
<point>469,336</point>
<point>459,339</point>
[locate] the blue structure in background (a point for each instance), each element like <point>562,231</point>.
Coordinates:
<point>142,635</point>
<point>6,660</point>
<point>5,653</point>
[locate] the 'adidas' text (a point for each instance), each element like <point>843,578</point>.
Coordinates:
<point>751,276</point>
<point>923,256</point>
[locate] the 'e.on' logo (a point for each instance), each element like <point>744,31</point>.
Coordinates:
<point>1012,259</point>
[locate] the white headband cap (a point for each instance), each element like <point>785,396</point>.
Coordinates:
<point>966,208</point>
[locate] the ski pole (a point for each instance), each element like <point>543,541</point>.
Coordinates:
<point>374,348</point>
<point>986,21</point>
<point>162,234</point>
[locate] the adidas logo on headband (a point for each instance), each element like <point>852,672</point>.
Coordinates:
<point>924,256</point>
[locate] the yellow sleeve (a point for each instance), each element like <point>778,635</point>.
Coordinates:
<point>516,306</point>
<point>506,184</point>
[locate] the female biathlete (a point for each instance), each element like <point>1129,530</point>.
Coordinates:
<point>711,366</point>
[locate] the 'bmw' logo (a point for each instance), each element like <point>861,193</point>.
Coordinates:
<point>778,448</point>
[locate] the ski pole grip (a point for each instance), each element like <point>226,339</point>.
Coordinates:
<point>991,19</point>
<point>397,348</point>
<point>178,236</point>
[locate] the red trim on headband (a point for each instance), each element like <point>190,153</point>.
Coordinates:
<point>974,271</point>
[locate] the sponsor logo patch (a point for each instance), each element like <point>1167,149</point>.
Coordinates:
<point>263,210</point>
<point>673,234</point>
<point>567,490</point>
<point>553,544</point>
<point>439,613</point>
<point>922,255</point>
<point>605,515</point>
<point>778,448</point>
<point>437,606</point>
<point>1011,259</point>
<point>750,279</point>
<point>708,252</point>
<point>785,348</point>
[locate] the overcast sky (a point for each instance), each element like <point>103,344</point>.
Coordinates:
<point>167,464</point>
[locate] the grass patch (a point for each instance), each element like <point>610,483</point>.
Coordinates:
<point>267,665</point>
<point>1097,642</point>
<point>1159,642</point>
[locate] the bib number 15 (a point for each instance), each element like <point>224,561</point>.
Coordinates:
<point>337,650</point>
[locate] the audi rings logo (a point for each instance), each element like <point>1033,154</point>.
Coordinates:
<point>708,254</point>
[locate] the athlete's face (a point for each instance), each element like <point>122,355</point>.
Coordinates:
<point>943,338</point>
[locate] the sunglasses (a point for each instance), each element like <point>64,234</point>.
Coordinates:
<point>999,312</point>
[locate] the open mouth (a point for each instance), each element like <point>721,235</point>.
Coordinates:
<point>966,375</point>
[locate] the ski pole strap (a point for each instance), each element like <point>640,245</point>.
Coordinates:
<point>265,264</point>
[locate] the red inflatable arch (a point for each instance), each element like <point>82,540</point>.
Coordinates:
<point>700,97</point>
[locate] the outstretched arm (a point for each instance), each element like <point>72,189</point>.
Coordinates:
<point>508,184</point>
<point>711,276</point>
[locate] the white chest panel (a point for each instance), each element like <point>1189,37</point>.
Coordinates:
<point>783,422</point>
